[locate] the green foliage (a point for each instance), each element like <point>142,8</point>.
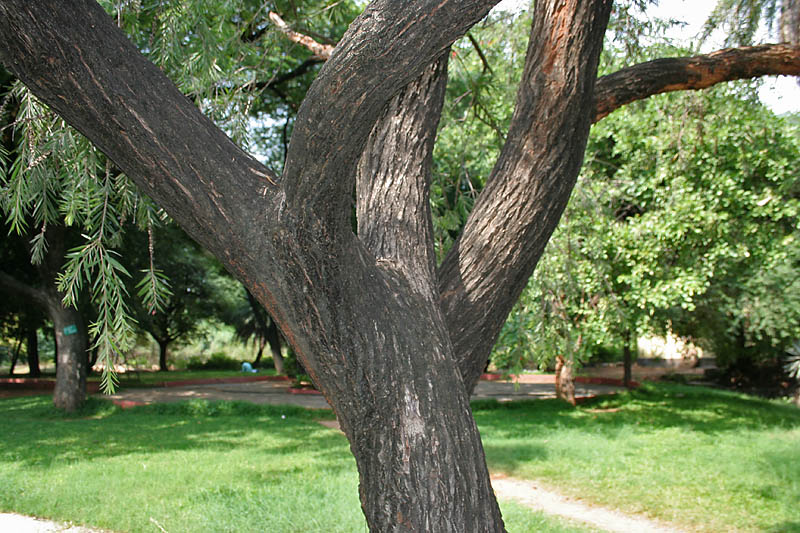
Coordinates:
<point>54,176</point>
<point>685,214</point>
<point>217,361</point>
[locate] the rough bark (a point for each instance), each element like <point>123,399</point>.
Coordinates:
<point>482,276</point>
<point>692,73</point>
<point>378,351</point>
<point>393,181</point>
<point>611,92</point>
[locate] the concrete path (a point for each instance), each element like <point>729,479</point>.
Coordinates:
<point>278,393</point>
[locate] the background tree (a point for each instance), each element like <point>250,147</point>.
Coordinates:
<point>251,322</point>
<point>394,343</point>
<point>197,288</point>
<point>19,320</point>
<point>643,245</point>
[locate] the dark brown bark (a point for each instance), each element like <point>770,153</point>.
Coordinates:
<point>393,182</point>
<point>360,312</point>
<point>162,354</point>
<point>692,73</point>
<point>33,354</point>
<point>646,79</point>
<point>377,350</point>
<point>482,276</point>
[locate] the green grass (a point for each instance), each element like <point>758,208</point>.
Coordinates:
<point>151,378</point>
<point>705,459</point>
<point>194,466</point>
<point>148,379</point>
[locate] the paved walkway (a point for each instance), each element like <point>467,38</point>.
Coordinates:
<point>278,393</point>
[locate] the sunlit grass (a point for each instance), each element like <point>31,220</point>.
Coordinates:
<point>194,466</point>
<point>709,460</point>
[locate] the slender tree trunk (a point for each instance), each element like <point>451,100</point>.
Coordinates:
<point>261,345</point>
<point>33,354</point>
<point>162,354</point>
<point>627,358</point>
<point>565,380</point>
<point>274,340</point>
<point>15,355</point>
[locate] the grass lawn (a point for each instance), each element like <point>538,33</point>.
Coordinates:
<point>151,378</point>
<point>195,466</point>
<point>148,379</point>
<point>704,459</point>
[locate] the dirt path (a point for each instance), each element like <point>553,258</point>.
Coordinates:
<point>17,523</point>
<point>529,494</point>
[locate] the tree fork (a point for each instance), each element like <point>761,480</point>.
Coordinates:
<point>487,268</point>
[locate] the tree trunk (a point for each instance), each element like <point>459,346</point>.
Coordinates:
<point>33,354</point>
<point>15,355</point>
<point>274,340</point>
<point>565,380</point>
<point>627,358</point>
<point>261,345</point>
<point>72,342</point>
<point>489,266</point>
<point>162,354</point>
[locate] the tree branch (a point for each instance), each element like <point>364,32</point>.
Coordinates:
<point>372,62</point>
<point>393,183</point>
<point>135,115</point>
<point>482,276</point>
<point>321,51</point>
<point>11,284</point>
<point>693,73</point>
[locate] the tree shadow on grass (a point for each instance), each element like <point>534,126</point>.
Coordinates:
<point>656,406</point>
<point>36,435</point>
<point>785,527</point>
<point>507,458</point>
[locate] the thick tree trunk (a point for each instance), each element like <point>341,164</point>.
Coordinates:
<point>72,342</point>
<point>360,312</point>
<point>33,354</point>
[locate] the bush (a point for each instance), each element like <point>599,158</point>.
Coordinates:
<point>217,361</point>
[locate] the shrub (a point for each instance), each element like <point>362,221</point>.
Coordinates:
<point>217,361</point>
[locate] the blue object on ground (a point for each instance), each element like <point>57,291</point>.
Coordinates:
<point>247,367</point>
